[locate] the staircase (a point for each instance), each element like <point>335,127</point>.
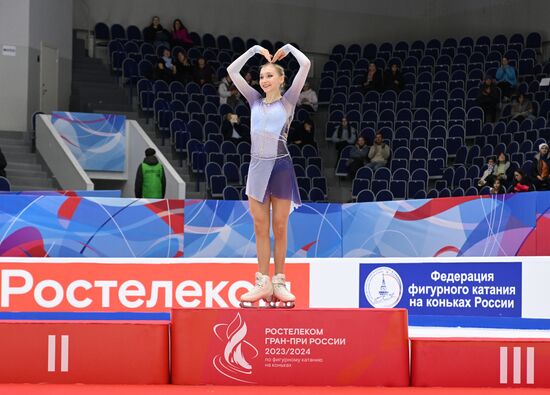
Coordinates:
<point>24,171</point>
<point>96,89</point>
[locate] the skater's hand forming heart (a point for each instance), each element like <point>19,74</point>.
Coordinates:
<point>280,54</point>
<point>265,53</point>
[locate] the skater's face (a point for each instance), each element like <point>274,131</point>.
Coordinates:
<point>271,78</point>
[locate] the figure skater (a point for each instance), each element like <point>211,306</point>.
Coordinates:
<point>271,183</point>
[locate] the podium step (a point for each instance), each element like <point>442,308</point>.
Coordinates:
<point>480,362</point>
<point>84,352</point>
<point>347,347</point>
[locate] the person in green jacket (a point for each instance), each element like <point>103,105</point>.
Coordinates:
<point>150,177</point>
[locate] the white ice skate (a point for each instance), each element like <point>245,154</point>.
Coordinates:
<point>281,295</point>
<point>263,290</point>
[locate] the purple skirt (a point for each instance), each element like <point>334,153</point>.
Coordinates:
<point>282,183</point>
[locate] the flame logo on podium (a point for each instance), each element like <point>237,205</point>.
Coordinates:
<point>233,363</point>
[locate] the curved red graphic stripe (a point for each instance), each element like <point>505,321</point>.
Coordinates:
<point>68,208</point>
<point>308,246</point>
<point>433,207</point>
<point>446,249</point>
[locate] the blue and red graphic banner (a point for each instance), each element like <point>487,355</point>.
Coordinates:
<point>98,141</point>
<point>61,226</point>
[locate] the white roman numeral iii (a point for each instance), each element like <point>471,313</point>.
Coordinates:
<point>516,365</point>
<point>64,353</point>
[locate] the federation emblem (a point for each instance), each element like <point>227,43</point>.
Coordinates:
<point>383,288</point>
<point>233,363</point>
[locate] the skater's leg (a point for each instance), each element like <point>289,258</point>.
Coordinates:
<point>281,211</point>
<point>260,216</point>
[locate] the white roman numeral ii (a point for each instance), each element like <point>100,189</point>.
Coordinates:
<point>64,353</point>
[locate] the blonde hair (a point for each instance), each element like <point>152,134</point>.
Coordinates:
<point>278,67</point>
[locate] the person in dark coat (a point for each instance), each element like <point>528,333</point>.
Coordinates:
<point>393,80</point>
<point>156,34</point>
<point>374,81</point>
<point>202,72</point>
<point>3,164</point>
<point>232,129</point>
<point>304,134</point>
<point>540,170</point>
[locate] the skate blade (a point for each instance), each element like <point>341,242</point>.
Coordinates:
<point>278,304</point>
<point>256,305</point>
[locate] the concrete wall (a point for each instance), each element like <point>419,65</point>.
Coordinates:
<point>13,69</point>
<point>25,23</point>
<point>317,25</point>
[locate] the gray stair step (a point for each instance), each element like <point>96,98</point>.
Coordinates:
<point>20,158</point>
<point>13,171</point>
<point>27,167</point>
<point>30,180</point>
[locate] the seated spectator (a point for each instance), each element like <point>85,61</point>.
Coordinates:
<point>358,156</point>
<point>488,100</point>
<point>180,35</point>
<point>184,71</point>
<point>304,134</point>
<point>156,34</point>
<point>488,176</point>
<point>223,88</point>
<point>202,72</point>
<point>254,83</point>
<point>497,188</point>
<point>160,72</point>
<point>3,164</point>
<point>308,98</point>
<point>522,108</point>
<point>393,79</point>
<point>521,182</point>
<point>167,57</point>
<point>379,153</point>
<point>501,168</point>
<point>540,170</point>
<point>232,129</point>
<point>228,92</point>
<point>506,79</point>
<point>374,81</point>
<point>344,135</point>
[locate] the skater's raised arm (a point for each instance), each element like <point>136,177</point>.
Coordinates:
<point>234,71</point>
<point>292,94</point>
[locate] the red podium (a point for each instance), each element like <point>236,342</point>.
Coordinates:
<point>476,362</point>
<point>84,352</point>
<point>359,347</point>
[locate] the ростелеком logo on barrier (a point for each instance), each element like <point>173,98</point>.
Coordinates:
<point>233,362</point>
<point>383,287</point>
